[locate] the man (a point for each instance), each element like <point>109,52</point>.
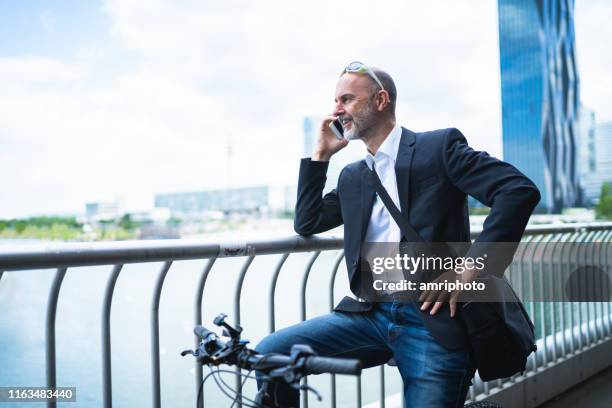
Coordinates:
<point>428,176</point>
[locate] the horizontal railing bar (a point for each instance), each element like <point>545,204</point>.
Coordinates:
<point>124,252</point>
<point>64,255</point>
<point>563,228</point>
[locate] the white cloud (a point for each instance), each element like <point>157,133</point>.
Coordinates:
<point>593,32</point>
<point>185,77</point>
<point>47,20</point>
<point>38,70</point>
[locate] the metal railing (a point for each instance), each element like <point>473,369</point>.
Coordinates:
<point>563,329</point>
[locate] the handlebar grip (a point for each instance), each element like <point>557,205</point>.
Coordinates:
<point>320,365</point>
<point>202,332</point>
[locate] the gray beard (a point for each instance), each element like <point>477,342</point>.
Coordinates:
<point>358,132</point>
<point>352,134</point>
<point>361,130</point>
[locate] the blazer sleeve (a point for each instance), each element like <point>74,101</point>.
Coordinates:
<point>511,195</point>
<point>313,213</point>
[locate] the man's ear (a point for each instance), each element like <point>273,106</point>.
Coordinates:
<point>382,100</point>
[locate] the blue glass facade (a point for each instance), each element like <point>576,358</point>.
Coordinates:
<point>540,96</point>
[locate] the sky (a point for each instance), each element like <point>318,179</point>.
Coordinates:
<point>117,100</point>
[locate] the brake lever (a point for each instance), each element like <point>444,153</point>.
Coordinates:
<point>307,388</point>
<point>233,333</point>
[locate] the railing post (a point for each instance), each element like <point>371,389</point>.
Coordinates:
<point>243,271</point>
<point>561,293</point>
<point>531,286</point>
<point>155,366</point>
<point>543,303</point>
<point>332,281</point>
<point>107,382</point>
<point>307,270</point>
<point>50,329</point>
<point>575,306</point>
<point>382,387</point>
<point>272,305</point>
<point>608,266</point>
<point>582,286</point>
<point>198,321</point>
<point>597,287</point>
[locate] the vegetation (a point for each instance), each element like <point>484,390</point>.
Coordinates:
<point>603,209</point>
<point>287,214</point>
<point>56,228</point>
<point>480,210</point>
<point>64,229</point>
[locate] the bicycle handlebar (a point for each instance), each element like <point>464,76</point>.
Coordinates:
<point>319,365</point>
<point>202,332</point>
<point>249,360</point>
<point>312,364</point>
<point>302,361</point>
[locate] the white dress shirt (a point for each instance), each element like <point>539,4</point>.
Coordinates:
<point>382,227</point>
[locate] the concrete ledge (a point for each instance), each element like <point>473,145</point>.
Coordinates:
<point>536,388</point>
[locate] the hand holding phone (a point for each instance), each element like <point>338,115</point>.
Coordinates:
<point>337,128</point>
<point>331,139</point>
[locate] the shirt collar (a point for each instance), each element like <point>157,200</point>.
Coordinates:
<point>389,147</point>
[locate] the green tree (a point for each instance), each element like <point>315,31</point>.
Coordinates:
<point>126,222</point>
<point>603,209</point>
<point>173,222</point>
<point>20,226</point>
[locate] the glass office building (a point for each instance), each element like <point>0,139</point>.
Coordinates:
<point>540,96</point>
<point>601,170</point>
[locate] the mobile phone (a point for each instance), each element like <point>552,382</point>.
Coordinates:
<point>337,128</point>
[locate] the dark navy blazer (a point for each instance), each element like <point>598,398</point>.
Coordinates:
<point>435,172</point>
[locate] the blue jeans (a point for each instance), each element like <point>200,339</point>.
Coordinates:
<point>433,376</point>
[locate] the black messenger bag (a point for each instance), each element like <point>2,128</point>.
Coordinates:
<point>501,334</point>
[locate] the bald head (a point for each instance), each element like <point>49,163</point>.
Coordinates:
<point>387,83</point>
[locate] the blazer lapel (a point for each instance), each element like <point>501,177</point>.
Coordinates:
<point>402,169</point>
<point>367,198</point>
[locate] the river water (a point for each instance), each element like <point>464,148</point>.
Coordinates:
<point>23,299</point>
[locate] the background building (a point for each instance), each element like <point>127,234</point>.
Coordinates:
<point>601,169</point>
<point>101,211</point>
<point>540,96</point>
<point>586,144</point>
<point>260,199</point>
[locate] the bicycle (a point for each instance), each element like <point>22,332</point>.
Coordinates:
<point>212,351</point>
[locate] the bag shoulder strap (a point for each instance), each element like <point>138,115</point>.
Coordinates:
<point>409,233</point>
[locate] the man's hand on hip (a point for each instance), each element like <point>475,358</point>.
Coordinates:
<point>437,298</point>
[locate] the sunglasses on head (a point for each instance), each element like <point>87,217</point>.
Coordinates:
<point>357,67</point>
